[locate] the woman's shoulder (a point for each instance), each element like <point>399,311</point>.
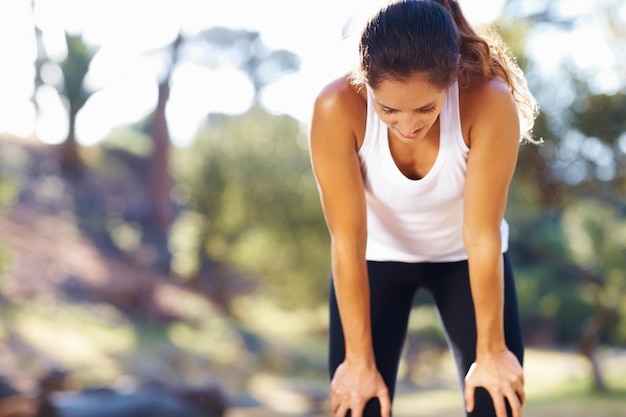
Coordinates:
<point>341,96</point>
<point>341,111</point>
<point>486,92</point>
<point>487,98</point>
<point>488,110</point>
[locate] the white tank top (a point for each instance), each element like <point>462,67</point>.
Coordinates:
<point>416,220</point>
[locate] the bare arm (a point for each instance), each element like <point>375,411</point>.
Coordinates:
<point>336,166</point>
<point>494,142</point>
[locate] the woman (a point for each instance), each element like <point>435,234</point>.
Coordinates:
<point>413,154</point>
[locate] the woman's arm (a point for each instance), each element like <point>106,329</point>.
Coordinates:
<point>494,141</point>
<point>337,116</point>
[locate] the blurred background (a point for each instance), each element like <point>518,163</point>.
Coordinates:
<point>162,246</point>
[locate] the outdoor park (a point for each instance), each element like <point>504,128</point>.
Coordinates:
<point>175,262</point>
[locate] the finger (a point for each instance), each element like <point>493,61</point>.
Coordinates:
<point>335,402</point>
<point>341,411</point>
<point>469,397</point>
<point>470,389</point>
<point>499,405</point>
<point>520,393</point>
<point>514,403</point>
<point>357,408</point>
<point>385,404</point>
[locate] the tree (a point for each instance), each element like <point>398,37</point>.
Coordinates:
<point>593,226</point>
<point>575,184</point>
<point>74,67</point>
<point>217,47</point>
<point>255,212</point>
<point>160,181</point>
<point>246,51</point>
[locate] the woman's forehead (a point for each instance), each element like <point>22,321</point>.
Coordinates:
<point>414,93</point>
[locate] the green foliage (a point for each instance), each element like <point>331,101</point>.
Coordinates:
<point>595,234</point>
<point>254,207</point>
<point>549,295</point>
<point>75,68</point>
<point>129,140</point>
<point>9,191</point>
<point>570,262</point>
<point>5,261</point>
<point>567,200</point>
<point>514,34</point>
<point>600,115</point>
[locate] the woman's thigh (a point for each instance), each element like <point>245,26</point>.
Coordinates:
<point>392,288</point>
<point>451,290</point>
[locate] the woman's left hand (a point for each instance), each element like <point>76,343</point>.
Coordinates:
<point>502,376</point>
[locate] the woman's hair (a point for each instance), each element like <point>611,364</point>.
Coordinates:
<point>406,37</point>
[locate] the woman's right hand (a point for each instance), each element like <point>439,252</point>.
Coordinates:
<point>353,385</point>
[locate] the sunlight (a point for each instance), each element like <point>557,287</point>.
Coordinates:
<point>51,126</point>
<point>197,91</point>
<point>22,116</point>
<point>586,48</point>
<point>81,338</point>
<point>121,37</point>
<point>274,96</point>
<point>591,52</point>
<point>482,12</point>
<point>136,25</point>
<point>16,83</point>
<point>125,31</point>
<point>110,106</point>
<point>545,44</point>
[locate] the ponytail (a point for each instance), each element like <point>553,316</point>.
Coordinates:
<point>485,56</point>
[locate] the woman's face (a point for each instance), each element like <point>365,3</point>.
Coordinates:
<point>409,108</point>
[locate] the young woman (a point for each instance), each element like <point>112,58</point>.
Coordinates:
<point>413,154</point>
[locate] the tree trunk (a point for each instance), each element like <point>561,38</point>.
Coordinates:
<point>71,161</point>
<point>589,340</point>
<point>160,182</point>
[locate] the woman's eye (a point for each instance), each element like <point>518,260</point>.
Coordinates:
<point>384,110</point>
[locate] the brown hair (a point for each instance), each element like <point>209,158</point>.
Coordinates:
<point>432,36</point>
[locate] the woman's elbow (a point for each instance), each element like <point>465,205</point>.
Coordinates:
<point>481,238</point>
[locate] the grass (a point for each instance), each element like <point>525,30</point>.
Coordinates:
<point>580,404</point>
<point>557,382</point>
<point>447,403</point>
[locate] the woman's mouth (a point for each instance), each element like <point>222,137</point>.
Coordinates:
<point>411,135</point>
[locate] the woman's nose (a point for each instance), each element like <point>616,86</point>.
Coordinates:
<point>407,123</point>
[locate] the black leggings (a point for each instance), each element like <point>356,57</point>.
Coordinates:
<point>393,286</point>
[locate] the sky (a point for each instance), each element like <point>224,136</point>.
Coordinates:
<point>125,77</point>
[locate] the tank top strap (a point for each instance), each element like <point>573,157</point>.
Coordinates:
<point>375,129</point>
<point>450,119</point>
